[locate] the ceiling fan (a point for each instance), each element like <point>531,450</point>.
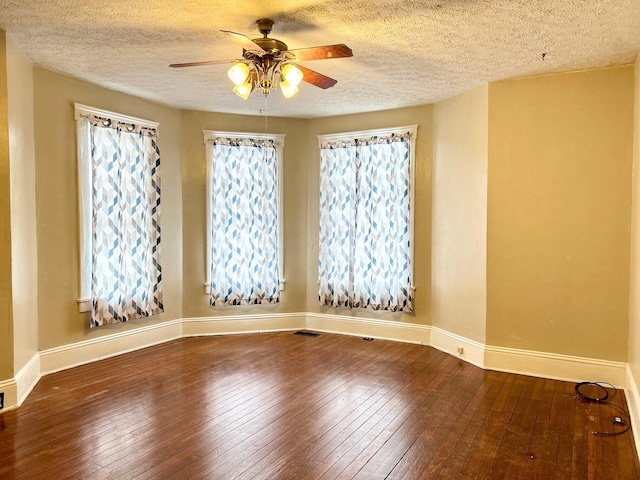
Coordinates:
<point>267,62</point>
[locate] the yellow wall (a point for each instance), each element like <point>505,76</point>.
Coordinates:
<point>459,250</point>
<point>634,303</point>
<point>196,302</point>
<point>57,204</point>
<point>6,329</point>
<point>23,207</point>
<point>559,199</point>
<point>422,116</point>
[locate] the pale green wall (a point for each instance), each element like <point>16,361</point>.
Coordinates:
<point>559,209</point>
<point>6,325</point>
<point>24,255</point>
<point>634,303</point>
<point>459,250</point>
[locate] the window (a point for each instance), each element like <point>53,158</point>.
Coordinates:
<point>244,221</point>
<point>119,197</point>
<point>366,219</point>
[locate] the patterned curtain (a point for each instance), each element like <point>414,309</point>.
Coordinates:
<point>244,220</point>
<point>365,224</point>
<point>126,273</point>
<point>337,225</point>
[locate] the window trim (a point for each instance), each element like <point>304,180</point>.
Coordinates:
<point>385,132</point>
<point>278,139</point>
<point>85,212</point>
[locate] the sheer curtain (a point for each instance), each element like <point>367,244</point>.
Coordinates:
<point>365,243</point>
<point>126,275</point>
<point>337,224</point>
<point>244,222</point>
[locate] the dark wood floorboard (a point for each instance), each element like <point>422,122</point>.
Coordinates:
<point>285,406</point>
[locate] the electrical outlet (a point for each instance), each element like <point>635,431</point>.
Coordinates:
<point>1,400</point>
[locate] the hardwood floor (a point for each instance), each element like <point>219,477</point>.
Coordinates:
<point>285,406</point>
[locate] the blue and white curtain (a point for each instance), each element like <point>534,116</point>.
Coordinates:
<point>365,224</point>
<point>126,276</point>
<point>244,222</point>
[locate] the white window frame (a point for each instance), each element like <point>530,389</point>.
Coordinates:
<point>278,139</point>
<point>85,209</point>
<point>385,132</point>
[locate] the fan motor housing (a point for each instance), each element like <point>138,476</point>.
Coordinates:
<point>271,44</point>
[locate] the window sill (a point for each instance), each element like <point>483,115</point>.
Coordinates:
<point>84,305</point>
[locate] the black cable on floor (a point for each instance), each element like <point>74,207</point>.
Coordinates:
<point>582,386</point>
<point>581,389</point>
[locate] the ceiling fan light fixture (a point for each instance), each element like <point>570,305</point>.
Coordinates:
<point>288,89</point>
<point>267,62</point>
<point>238,73</point>
<point>292,74</point>
<point>243,90</point>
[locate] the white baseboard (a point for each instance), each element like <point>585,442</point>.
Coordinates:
<point>526,362</point>
<point>554,366</point>
<point>27,378</point>
<point>87,351</point>
<point>233,324</point>
<point>472,351</point>
<point>367,327</point>
<point>19,387</point>
<point>633,401</point>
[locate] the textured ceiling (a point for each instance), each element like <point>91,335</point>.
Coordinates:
<point>404,52</point>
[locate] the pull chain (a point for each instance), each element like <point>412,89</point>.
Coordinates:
<point>266,130</point>
<point>266,116</point>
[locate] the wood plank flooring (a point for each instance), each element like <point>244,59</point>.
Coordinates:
<point>286,406</point>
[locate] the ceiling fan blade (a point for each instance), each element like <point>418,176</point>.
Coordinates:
<point>198,64</point>
<point>245,41</point>
<point>321,53</point>
<point>315,78</point>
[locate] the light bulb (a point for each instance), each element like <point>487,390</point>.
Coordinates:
<point>238,73</point>
<point>292,74</point>
<point>243,90</point>
<point>287,89</point>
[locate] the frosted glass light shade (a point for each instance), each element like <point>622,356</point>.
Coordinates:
<point>243,90</point>
<point>292,74</point>
<point>288,90</point>
<point>239,73</point>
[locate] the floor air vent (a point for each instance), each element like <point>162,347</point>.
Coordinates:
<point>307,334</point>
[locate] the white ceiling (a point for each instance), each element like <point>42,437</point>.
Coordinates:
<point>404,52</point>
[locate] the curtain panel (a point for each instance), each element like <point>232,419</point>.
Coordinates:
<point>365,242</point>
<point>126,275</point>
<point>244,222</point>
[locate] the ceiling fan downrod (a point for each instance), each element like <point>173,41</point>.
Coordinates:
<point>264,26</point>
